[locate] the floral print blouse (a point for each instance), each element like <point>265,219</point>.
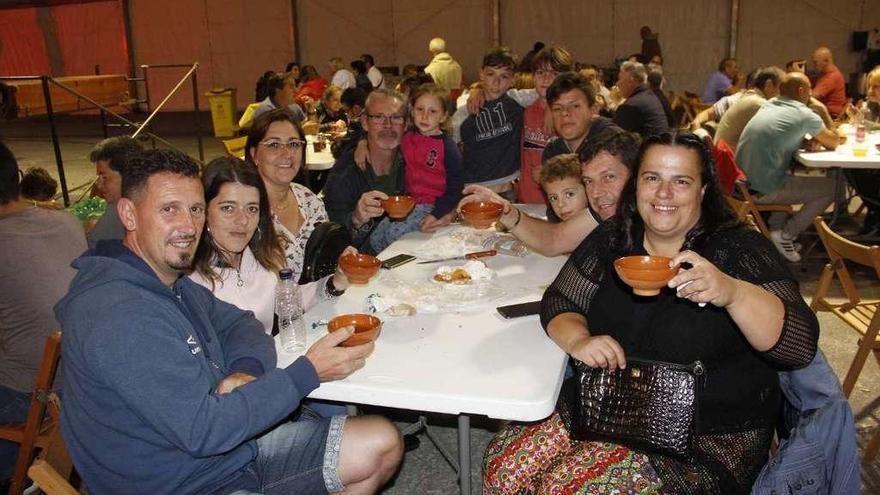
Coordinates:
<point>312,210</point>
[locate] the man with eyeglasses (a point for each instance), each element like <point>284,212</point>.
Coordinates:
<point>353,195</point>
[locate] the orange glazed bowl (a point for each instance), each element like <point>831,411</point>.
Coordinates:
<point>359,268</point>
<point>398,206</point>
<point>366,328</point>
<point>481,214</point>
<point>645,274</point>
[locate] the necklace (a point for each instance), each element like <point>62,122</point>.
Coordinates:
<point>282,205</point>
<point>240,282</point>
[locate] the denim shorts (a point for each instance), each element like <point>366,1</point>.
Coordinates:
<point>14,406</point>
<point>301,456</point>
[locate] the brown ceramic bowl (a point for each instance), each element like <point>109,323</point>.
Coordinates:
<point>398,206</point>
<point>645,274</point>
<point>359,268</point>
<point>481,214</point>
<point>366,328</point>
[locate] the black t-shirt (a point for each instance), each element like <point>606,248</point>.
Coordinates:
<point>491,140</point>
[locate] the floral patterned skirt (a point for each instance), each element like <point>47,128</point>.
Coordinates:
<point>540,458</point>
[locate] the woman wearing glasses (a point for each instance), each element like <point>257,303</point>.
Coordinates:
<point>276,147</point>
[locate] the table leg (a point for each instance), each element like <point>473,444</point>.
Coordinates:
<point>464,454</point>
<point>839,186</point>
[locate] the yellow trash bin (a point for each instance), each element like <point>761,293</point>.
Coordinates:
<point>223,108</point>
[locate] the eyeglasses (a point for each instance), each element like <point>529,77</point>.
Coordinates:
<point>276,145</point>
<point>381,119</point>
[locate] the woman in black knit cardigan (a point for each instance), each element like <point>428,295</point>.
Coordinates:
<point>753,322</point>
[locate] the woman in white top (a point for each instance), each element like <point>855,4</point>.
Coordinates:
<point>239,255</point>
<point>276,147</point>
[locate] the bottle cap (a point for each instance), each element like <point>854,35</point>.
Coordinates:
<point>285,274</point>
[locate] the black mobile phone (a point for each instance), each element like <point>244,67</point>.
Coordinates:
<point>396,261</point>
<point>518,310</point>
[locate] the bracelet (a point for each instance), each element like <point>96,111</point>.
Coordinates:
<point>518,218</point>
<point>331,289</point>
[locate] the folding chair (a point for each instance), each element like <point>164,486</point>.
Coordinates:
<point>52,468</point>
<point>755,209</point>
<point>34,432</point>
<point>742,212</point>
<point>859,314</point>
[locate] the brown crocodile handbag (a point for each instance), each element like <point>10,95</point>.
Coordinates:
<point>650,405</point>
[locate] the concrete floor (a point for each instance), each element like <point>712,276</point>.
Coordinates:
<point>424,470</point>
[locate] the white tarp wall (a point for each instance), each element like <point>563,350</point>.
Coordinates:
<point>234,41</point>
<point>237,40</point>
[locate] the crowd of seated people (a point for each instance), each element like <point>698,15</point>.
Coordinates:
<point>167,310</point>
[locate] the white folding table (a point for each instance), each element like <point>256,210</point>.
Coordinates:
<point>841,158</point>
<point>470,362</point>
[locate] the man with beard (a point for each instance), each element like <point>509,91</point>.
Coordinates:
<point>170,390</point>
<point>353,195</point>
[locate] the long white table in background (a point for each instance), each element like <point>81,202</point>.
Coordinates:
<point>318,160</point>
<point>843,156</point>
<point>472,362</point>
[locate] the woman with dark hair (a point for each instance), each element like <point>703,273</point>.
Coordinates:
<point>294,71</point>
<point>276,146</point>
<point>239,255</point>
<point>733,306</point>
<point>311,86</point>
<point>278,90</point>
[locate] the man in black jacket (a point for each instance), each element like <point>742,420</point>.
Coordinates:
<point>353,195</point>
<point>642,111</point>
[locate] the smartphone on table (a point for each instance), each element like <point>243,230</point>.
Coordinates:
<point>396,261</point>
<point>519,310</point>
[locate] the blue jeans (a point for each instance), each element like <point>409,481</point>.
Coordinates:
<point>301,456</point>
<point>14,407</point>
<point>389,231</point>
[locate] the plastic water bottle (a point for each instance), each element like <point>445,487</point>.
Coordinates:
<point>289,308</point>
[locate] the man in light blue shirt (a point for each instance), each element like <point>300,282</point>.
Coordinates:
<point>765,151</point>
